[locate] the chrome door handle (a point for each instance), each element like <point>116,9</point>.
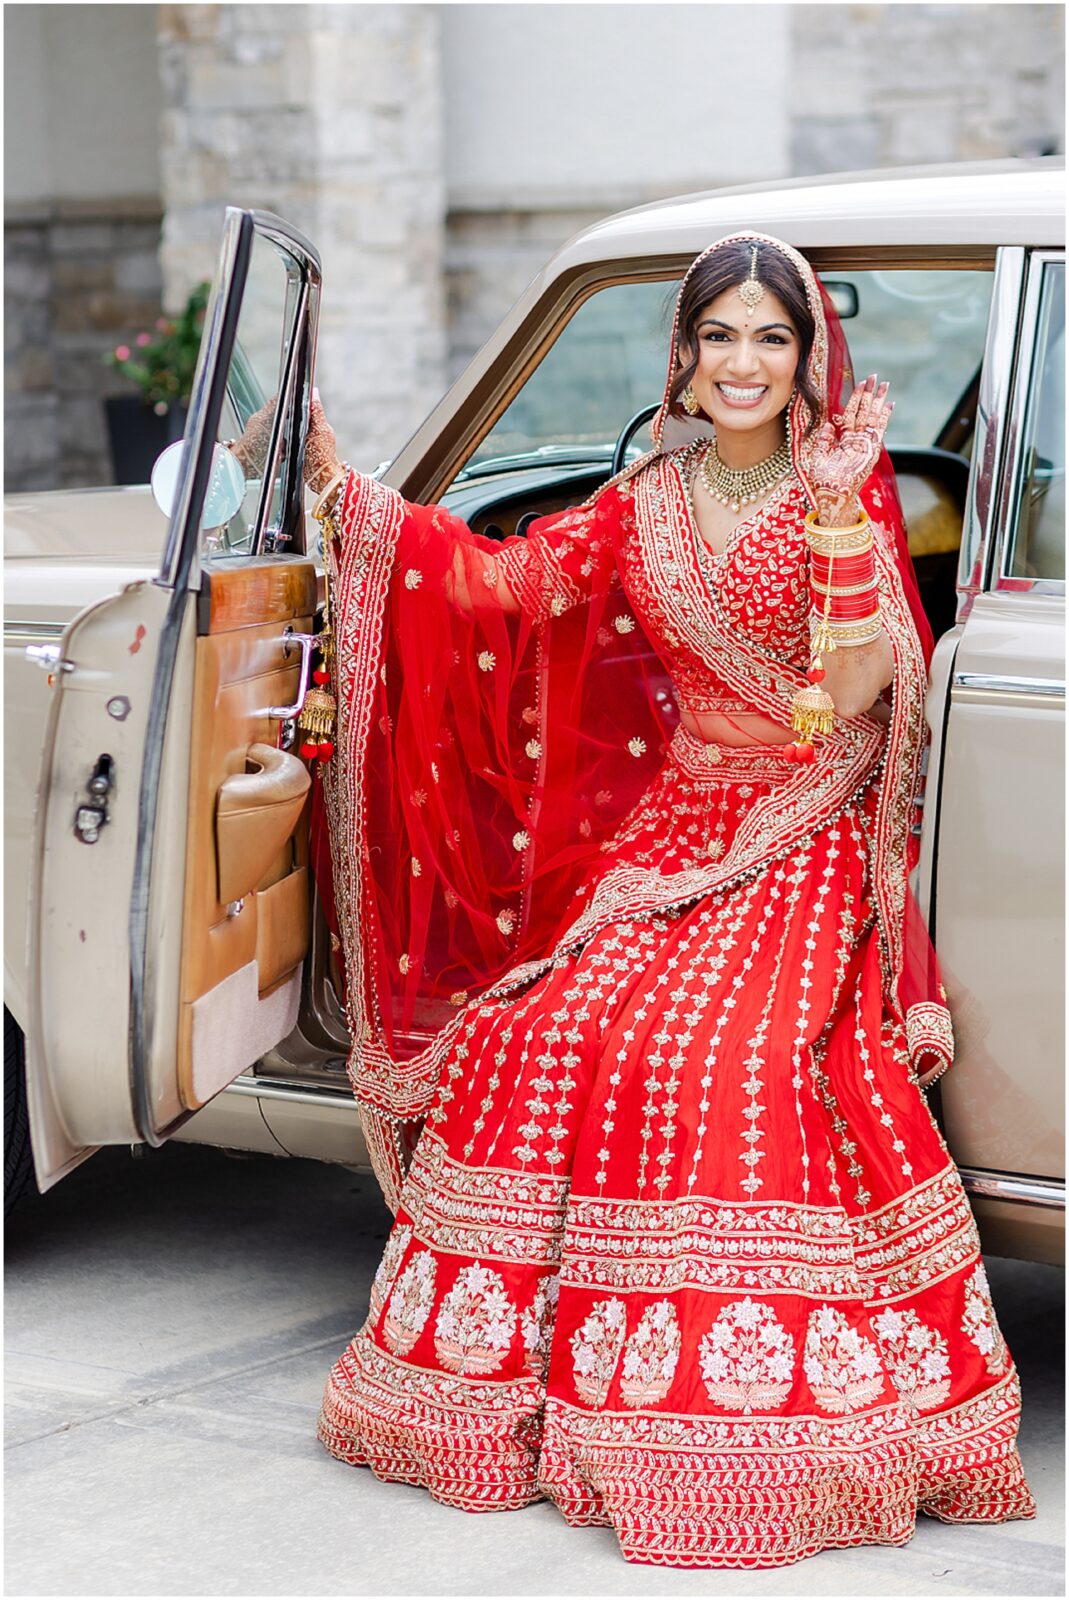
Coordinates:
<point>47,657</point>
<point>307,642</point>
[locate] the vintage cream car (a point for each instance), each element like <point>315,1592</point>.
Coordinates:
<point>167,971</point>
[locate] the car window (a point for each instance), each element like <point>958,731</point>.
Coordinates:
<point>265,328</point>
<point>1036,538</point>
<point>608,363</point>
<point>923,331</point>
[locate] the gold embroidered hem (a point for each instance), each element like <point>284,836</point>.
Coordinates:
<point>680,1245</point>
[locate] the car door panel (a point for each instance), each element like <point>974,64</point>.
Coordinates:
<point>149,992</point>
<point>246,917</point>
<point>999,907</point>
<point>79,936</point>
<point>993,848</point>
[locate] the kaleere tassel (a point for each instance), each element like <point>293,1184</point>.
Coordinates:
<point>319,713</point>
<point>812,708</point>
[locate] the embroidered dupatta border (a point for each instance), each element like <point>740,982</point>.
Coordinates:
<point>392,1093</point>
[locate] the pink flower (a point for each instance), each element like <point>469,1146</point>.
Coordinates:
<point>162,325</point>
<point>122,352</point>
<point>143,339</point>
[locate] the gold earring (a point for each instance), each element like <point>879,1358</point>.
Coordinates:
<point>691,403</point>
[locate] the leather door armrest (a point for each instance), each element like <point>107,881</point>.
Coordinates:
<point>256,812</point>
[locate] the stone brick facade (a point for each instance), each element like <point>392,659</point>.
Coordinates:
<point>79,278</point>
<point>331,116</point>
<point>898,85</point>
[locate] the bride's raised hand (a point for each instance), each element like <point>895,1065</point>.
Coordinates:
<point>842,458</point>
<point>321,462</point>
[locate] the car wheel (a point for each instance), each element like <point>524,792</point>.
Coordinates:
<point>18,1156</point>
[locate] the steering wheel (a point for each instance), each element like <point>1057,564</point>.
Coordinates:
<point>627,433</point>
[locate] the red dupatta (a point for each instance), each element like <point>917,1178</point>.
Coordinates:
<point>484,754</point>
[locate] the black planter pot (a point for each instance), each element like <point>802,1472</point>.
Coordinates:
<point>137,435</point>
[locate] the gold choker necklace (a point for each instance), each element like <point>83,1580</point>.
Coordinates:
<point>736,487</point>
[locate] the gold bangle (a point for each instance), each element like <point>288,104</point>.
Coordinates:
<point>851,542</point>
<point>853,588</point>
<point>849,633</point>
<point>820,528</point>
<point>320,509</point>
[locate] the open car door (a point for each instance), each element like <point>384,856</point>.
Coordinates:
<point>170,896</point>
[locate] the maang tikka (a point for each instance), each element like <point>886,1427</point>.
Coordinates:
<point>752,290</point>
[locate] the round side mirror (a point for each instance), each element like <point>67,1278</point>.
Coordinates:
<point>226,485</point>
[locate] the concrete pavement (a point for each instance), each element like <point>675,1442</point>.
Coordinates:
<point>169,1325</point>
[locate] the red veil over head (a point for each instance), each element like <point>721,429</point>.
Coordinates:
<point>501,710</point>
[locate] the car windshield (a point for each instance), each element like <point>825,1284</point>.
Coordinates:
<point>923,331</point>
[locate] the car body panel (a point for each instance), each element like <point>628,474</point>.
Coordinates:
<point>999,909</point>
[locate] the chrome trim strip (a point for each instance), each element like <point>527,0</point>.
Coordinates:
<point>294,1094</point>
<point>1020,1191</point>
<point>286,392</point>
<point>1020,417</point>
<point>220,322</point>
<point>989,683</point>
<point>995,383</point>
<point>34,630</point>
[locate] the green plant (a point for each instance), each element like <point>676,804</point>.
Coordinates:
<point>162,364</point>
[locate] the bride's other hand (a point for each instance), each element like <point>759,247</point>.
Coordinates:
<point>321,462</point>
<point>251,449</point>
<point>843,458</point>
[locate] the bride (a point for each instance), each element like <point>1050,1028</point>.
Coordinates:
<point>641,1007</point>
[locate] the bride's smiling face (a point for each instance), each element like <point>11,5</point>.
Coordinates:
<point>746,362</point>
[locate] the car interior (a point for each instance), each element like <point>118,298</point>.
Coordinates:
<point>932,482</point>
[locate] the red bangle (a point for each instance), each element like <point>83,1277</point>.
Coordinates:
<point>859,606</point>
<point>863,562</point>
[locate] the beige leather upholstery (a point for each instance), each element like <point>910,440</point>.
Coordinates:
<point>248,822</point>
<point>256,812</point>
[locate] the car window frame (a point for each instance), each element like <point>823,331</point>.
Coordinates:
<point>184,551</point>
<point>1019,415</point>
<point>427,465</point>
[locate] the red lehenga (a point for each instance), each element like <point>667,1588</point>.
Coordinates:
<point>638,1027</point>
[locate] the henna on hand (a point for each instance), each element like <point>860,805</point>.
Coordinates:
<point>251,449</point>
<point>843,458</point>
<point>320,449</point>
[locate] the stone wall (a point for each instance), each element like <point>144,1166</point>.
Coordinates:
<point>334,116</point>
<point>894,85</point>
<point>868,86</point>
<point>331,116</point>
<point>79,278</point>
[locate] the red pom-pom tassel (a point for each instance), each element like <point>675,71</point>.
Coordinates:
<point>309,751</point>
<point>325,749</point>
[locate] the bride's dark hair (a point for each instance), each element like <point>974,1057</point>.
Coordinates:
<point>725,269</point>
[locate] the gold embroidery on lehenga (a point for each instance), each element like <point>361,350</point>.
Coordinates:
<point>409,1304</point>
<point>842,1367</point>
<point>651,1356</point>
<point>476,1322</point>
<point>387,1270</point>
<point>596,1350</point>
<point>746,1359</point>
<point>978,1322</point>
<point>537,1323</point>
<point>916,1356</point>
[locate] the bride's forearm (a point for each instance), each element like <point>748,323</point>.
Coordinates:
<point>855,674</point>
